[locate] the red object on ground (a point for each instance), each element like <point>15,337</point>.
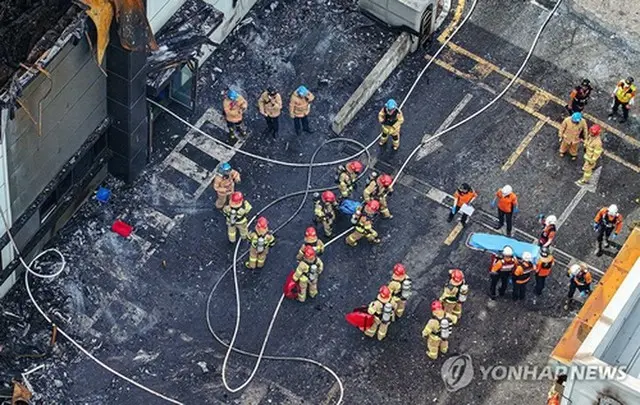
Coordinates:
<point>121,228</point>
<point>360,318</point>
<point>290,288</point>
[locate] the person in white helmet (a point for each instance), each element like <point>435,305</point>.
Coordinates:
<point>521,276</point>
<point>579,279</point>
<point>507,202</point>
<point>501,270</point>
<point>608,224</point>
<point>548,233</point>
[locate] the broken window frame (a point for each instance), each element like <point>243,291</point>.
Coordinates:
<point>192,68</point>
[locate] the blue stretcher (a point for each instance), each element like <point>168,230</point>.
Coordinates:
<point>495,244</point>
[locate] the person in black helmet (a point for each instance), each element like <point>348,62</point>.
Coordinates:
<point>623,95</point>
<point>463,195</point>
<point>579,97</point>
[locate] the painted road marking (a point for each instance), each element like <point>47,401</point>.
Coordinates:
<point>523,145</point>
<point>434,145</point>
<point>589,187</point>
<point>481,70</point>
<point>454,21</point>
<point>188,167</point>
<point>537,100</point>
<point>454,234</point>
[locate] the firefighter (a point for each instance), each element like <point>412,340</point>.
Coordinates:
<point>572,131</point>
<point>325,211</point>
<point>548,233</point>
<point>261,240</point>
<point>364,224</point>
<point>521,276</point>
<point>579,97</point>
<point>299,109</point>
<point>382,310</point>
<point>507,202</point>
<point>593,149</point>
<point>579,279</point>
<point>391,119</point>
<point>236,212</point>
<point>307,273</point>
<point>234,106</point>
<point>311,239</point>
<point>400,287</point>
<point>454,294</point>
<point>224,183</point>
<point>347,176</point>
<point>543,270</point>
<point>608,224</point>
<point>270,106</point>
<point>378,189</point>
<point>437,331</point>
<point>501,270</point>
<point>463,195</point>
<point>623,95</point>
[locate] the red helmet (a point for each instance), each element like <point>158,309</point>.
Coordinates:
<point>595,130</point>
<point>457,277</point>
<point>237,198</point>
<point>328,196</point>
<point>399,270</point>
<point>385,180</point>
<point>310,232</point>
<point>262,223</point>
<point>309,253</point>
<point>372,206</point>
<point>384,292</point>
<point>355,166</point>
<point>436,306</point>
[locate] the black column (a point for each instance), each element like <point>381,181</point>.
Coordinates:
<point>127,107</point>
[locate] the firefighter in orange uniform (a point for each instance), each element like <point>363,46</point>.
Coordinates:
<point>363,221</point>
<point>307,273</point>
<point>521,276</point>
<point>507,202</point>
<point>347,176</point>
<point>463,195</point>
<point>236,212</point>
<point>400,287</point>
<point>224,183</point>
<point>608,224</point>
<point>572,131</point>
<point>548,232</point>
<point>261,240</point>
<point>299,109</point>
<point>325,211</point>
<point>311,239</point>
<point>437,331</point>
<point>501,270</point>
<point>543,270</point>
<point>593,149</point>
<point>270,105</point>
<point>234,106</point>
<point>382,310</point>
<point>379,189</point>
<point>391,119</point>
<point>579,279</point>
<point>454,294</point>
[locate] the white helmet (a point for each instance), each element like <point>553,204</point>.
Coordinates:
<point>574,269</point>
<point>551,220</point>
<point>612,210</point>
<point>507,251</point>
<point>527,257</point>
<point>506,190</point>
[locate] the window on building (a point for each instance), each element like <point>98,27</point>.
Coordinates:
<point>183,85</point>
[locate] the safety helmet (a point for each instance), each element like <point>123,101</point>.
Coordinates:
<point>262,223</point>
<point>629,80</point>
<point>355,166</point>
<point>595,130</point>
<point>612,210</point>
<point>328,196</point>
<point>507,251</point>
<point>586,82</point>
<point>310,232</point>
<point>384,180</point>
<point>384,292</point>
<point>372,206</point>
<point>271,90</point>
<point>576,117</point>
<point>309,253</point>
<point>506,190</point>
<point>457,276</point>
<point>302,91</point>
<point>232,95</point>
<point>391,104</point>
<point>544,251</point>
<point>237,198</point>
<point>551,220</point>
<point>574,269</point>
<point>399,270</point>
<point>464,188</point>
<point>527,257</point>
<point>224,168</point>
<point>436,305</point>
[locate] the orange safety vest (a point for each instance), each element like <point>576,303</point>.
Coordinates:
<point>522,275</point>
<point>543,267</point>
<point>506,203</point>
<point>464,198</point>
<point>504,265</point>
<point>549,232</point>
<point>604,219</point>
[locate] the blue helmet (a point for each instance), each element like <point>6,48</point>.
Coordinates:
<point>225,168</point>
<point>302,91</point>
<point>391,104</point>
<point>232,94</point>
<point>576,117</point>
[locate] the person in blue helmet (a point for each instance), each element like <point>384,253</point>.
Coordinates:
<point>234,106</point>
<point>391,119</point>
<point>572,131</point>
<point>224,183</point>
<point>299,109</point>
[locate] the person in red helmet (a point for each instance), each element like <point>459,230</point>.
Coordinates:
<point>593,149</point>
<point>400,286</point>
<point>363,221</point>
<point>437,331</point>
<point>454,294</point>
<point>236,212</point>
<point>261,239</point>
<point>378,189</point>
<point>382,311</point>
<point>347,176</point>
<point>311,239</point>
<point>325,211</point>
<point>307,273</point>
